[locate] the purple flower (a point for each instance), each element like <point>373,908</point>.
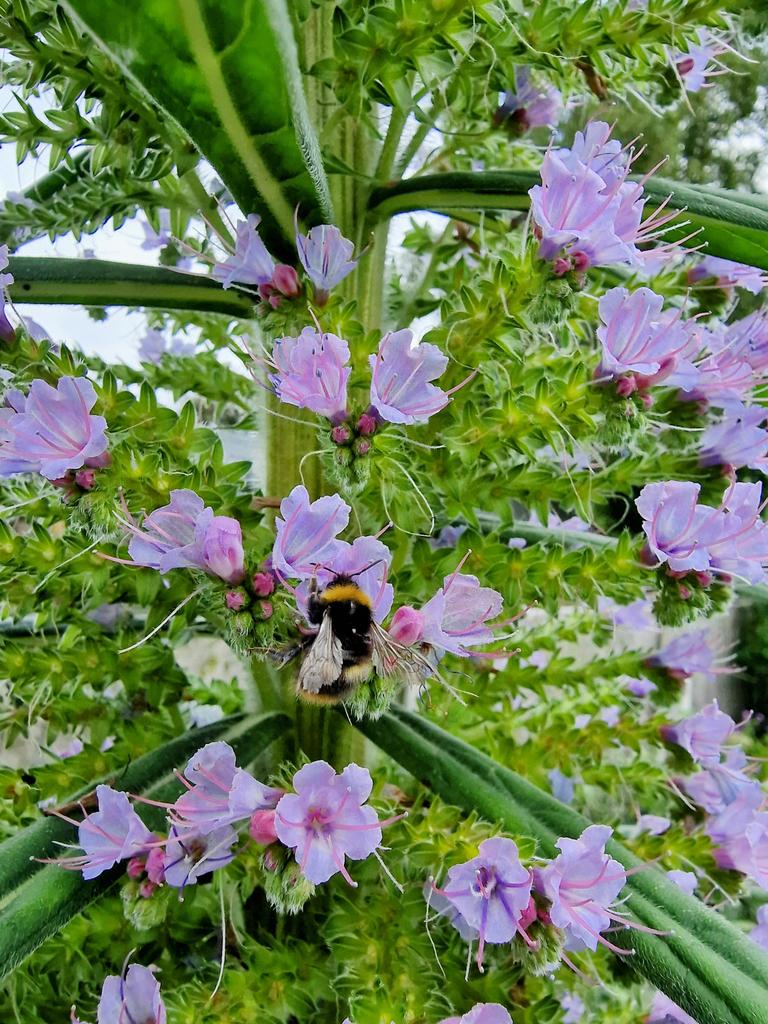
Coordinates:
<point>113,833</point>
<point>482,1013</point>
<point>725,375</point>
<point>759,933</point>
<point>306,533</point>
<point>640,338</point>
<point>400,379</point>
<point>491,891</point>
<point>746,339</point>
<point>312,372</point>
<point>686,655</point>
<point>453,620</point>
<point>685,880</point>
<point>448,537</point>
<point>219,793</point>
<point>581,883</point>
<point>741,835</point>
<point>326,256</point>
<point>157,239</point>
<point>677,527</point>
<point>367,560</point>
<point>638,615</point>
<point>154,346</point>
<point>740,547</point>
<point>51,431</point>
<point>638,686</point>
<point>738,440</point>
<point>719,785</point>
<point>562,785</point>
<point>7,331</point>
<point>585,211</point>
<point>610,715</point>
<point>186,534</point>
<point>131,999</point>
<point>250,263</point>
<point>664,1011</point>
<point>728,275</point>
<point>702,734</point>
<point>654,824</point>
<point>326,820</point>
<point>528,106</point>
<point>574,1008</point>
<point>188,855</point>
<point>694,65</point>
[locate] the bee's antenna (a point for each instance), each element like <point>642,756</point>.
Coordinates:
<point>364,569</point>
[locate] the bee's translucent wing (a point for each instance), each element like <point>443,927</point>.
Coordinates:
<point>391,658</point>
<point>323,661</point>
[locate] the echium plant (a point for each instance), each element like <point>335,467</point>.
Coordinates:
<point>378,724</point>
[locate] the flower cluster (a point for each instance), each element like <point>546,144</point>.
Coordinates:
<point>51,431</point>
<point>493,898</point>
<point>325,822</point>
<point>324,253</point>
<point>586,212</point>
<point>727,275</point>
<point>689,537</point>
<point>698,63</point>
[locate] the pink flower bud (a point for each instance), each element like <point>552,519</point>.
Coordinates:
<point>146,889</point>
<point>704,578</point>
<point>362,446</point>
<point>235,600</point>
<point>647,400</point>
<point>135,867</point>
<point>625,386</point>
<point>154,866</point>
<point>580,261</point>
<point>367,424</point>
<point>685,66</point>
<point>271,862</point>
<point>407,625</point>
<point>685,593</point>
<point>285,280</point>
<point>561,266</point>
<point>262,827</point>
<point>529,915</point>
<point>263,584</point>
<point>85,478</point>
<point>266,609</point>
<point>341,434</point>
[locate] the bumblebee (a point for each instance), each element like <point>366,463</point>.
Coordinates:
<point>349,646</point>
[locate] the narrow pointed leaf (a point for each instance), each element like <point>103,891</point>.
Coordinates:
<point>731,225</point>
<point>51,281</point>
<point>39,900</point>
<point>702,962</point>
<point>228,74</point>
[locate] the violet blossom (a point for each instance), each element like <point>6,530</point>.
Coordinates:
<point>641,339</point>
<point>586,212</point>
<point>218,792</point>
<point>725,375</point>
<point>482,1013</point>
<point>581,884</point>
<point>728,275</point>
<point>367,561</point>
<point>132,998</point>
<point>529,106</point>
<point>562,786</point>
<point>719,785</point>
<point>113,833</point>
<point>186,534</point>
<point>453,620</point>
<point>685,880</point>
<point>676,525</point>
<point>7,331</point>
<point>740,547</point>
<point>653,824</point>
<point>574,1008</point>
<point>694,65</point>
<point>638,686</point>
<point>312,372</point>
<point>741,835</point>
<point>326,256</point>
<point>51,430</point>
<point>307,532</point>
<point>637,615</point>
<point>746,339</point>
<point>759,933</point>
<point>327,820</point>
<point>686,655</point>
<point>702,734</point>
<point>188,855</point>
<point>492,893</point>
<point>738,440</point>
<point>664,1011</point>
<point>250,263</point>
<point>401,372</point>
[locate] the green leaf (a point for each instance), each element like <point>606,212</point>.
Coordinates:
<point>733,225</point>
<point>229,75</point>
<point>104,283</point>
<point>39,900</point>
<point>702,962</point>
